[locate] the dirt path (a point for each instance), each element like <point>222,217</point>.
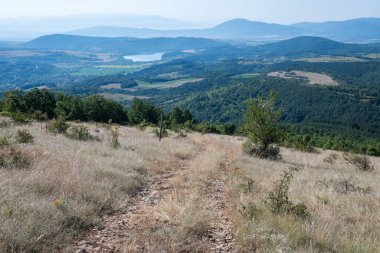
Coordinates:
<point>120,228</point>
<point>222,235</point>
<point>129,230</point>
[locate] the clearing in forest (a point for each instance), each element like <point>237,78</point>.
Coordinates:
<point>312,77</point>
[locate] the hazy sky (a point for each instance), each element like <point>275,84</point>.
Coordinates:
<point>207,11</point>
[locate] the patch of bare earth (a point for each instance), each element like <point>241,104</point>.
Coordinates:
<point>312,77</point>
<point>111,86</point>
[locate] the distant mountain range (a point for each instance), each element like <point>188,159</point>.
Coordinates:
<point>356,30</point>
<point>201,48</point>
<point>26,28</point>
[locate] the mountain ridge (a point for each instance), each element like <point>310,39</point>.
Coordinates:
<point>356,30</point>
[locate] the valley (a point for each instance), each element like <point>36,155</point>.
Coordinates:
<point>137,133</point>
<point>326,85</point>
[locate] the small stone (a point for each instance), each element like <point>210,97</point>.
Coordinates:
<point>81,251</point>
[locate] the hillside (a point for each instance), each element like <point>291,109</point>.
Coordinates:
<point>120,45</point>
<point>312,46</point>
<point>188,192</point>
<point>298,47</point>
<point>350,30</point>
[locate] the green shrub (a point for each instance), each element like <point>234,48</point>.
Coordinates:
<point>19,159</point>
<point>23,136</point>
<point>14,159</point>
<point>114,138</point>
<point>304,143</point>
<point>253,149</point>
<point>20,118</point>
<point>5,124</point>
<point>58,126</point>
<point>80,133</point>
<point>4,141</point>
<point>361,162</point>
<point>249,211</point>
<point>278,199</point>
<point>39,116</point>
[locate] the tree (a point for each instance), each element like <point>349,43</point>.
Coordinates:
<point>41,100</point>
<point>176,116</point>
<point>70,107</point>
<point>261,125</point>
<point>142,111</point>
<point>100,109</point>
<point>14,101</point>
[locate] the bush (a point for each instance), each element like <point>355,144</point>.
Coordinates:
<point>14,159</point>
<point>58,126</point>
<point>114,138</point>
<point>80,133</point>
<point>261,125</point>
<point>278,200</point>
<point>5,124</point>
<point>156,131</point>
<point>304,143</point>
<point>331,158</point>
<point>20,118</point>
<point>272,152</point>
<point>361,162</point>
<point>344,186</point>
<point>23,136</point>
<point>4,141</point>
<point>249,211</point>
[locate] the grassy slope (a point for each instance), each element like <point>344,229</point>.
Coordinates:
<point>71,185</point>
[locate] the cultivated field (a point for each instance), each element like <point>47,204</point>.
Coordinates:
<point>168,84</point>
<point>120,97</point>
<point>313,78</point>
<point>111,86</point>
<point>332,59</point>
<point>188,193</point>
<point>107,70</point>
<point>373,56</point>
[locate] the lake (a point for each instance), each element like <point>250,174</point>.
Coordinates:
<point>144,57</point>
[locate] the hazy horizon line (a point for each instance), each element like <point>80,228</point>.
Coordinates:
<point>194,22</point>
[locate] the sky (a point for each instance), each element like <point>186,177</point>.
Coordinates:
<point>202,11</point>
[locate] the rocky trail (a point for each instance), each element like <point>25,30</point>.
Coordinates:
<point>130,230</point>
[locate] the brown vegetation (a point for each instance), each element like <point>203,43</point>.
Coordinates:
<point>189,194</point>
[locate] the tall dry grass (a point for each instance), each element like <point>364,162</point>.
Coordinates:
<point>343,204</point>
<point>70,185</point>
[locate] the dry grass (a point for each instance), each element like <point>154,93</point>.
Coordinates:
<point>185,215</point>
<point>340,220</point>
<point>313,78</point>
<point>71,184</point>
